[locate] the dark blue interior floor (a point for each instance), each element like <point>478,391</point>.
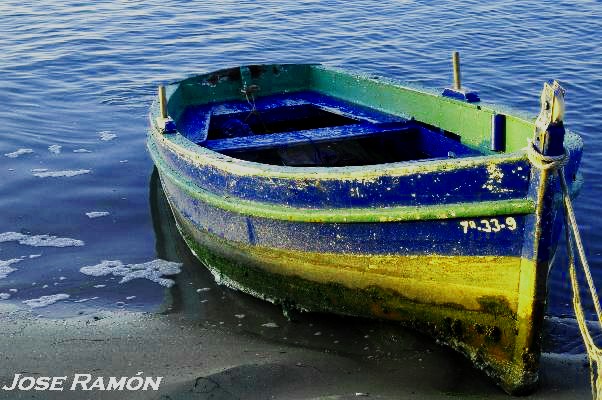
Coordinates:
<point>311,129</point>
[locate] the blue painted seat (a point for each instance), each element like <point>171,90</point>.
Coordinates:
<point>284,139</point>
<point>256,130</point>
<point>203,122</point>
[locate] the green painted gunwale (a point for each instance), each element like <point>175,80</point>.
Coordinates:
<point>471,121</point>
<point>344,215</point>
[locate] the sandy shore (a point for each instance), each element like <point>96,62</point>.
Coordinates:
<point>209,361</point>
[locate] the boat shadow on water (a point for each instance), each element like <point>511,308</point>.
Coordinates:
<point>377,350</point>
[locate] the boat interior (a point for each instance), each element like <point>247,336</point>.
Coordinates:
<point>307,128</point>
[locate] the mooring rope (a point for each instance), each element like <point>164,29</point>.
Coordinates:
<point>573,239</point>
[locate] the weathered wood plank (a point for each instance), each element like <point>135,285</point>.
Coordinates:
<point>306,136</point>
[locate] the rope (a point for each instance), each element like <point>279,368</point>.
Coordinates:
<point>545,163</point>
<point>573,240</point>
<point>247,91</point>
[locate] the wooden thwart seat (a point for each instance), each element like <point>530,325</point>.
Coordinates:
<point>275,140</point>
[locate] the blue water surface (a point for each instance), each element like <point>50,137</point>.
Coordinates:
<point>73,73</point>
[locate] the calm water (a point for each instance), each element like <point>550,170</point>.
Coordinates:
<point>81,77</point>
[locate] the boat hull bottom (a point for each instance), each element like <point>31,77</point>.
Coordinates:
<point>487,337</point>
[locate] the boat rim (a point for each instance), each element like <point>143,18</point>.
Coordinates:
<point>201,155</point>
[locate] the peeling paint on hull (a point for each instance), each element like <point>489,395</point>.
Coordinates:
<point>482,323</point>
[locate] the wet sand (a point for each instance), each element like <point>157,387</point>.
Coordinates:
<point>212,361</point>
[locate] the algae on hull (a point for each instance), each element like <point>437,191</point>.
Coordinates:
<point>486,337</point>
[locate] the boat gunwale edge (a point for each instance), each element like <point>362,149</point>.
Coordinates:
<point>254,208</point>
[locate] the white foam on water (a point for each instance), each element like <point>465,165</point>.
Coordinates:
<point>39,240</point>
<point>4,296</point>
<point>5,268</point>
<point>39,170</point>
<point>58,174</point>
<point>106,135</point>
<point>13,290</point>
<point>123,161</point>
<point>97,214</point>
<point>151,270</point>
<point>239,316</point>
<point>99,286</point>
<point>130,297</point>
<point>55,148</point>
<point>270,325</point>
<point>62,278</point>
<point>45,300</point>
<point>18,153</point>
<point>86,299</point>
<point>82,151</point>
<point>35,255</point>
<point>205,289</point>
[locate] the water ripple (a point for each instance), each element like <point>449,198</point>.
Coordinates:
<point>73,69</point>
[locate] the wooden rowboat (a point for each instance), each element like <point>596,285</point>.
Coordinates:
<point>321,190</point>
